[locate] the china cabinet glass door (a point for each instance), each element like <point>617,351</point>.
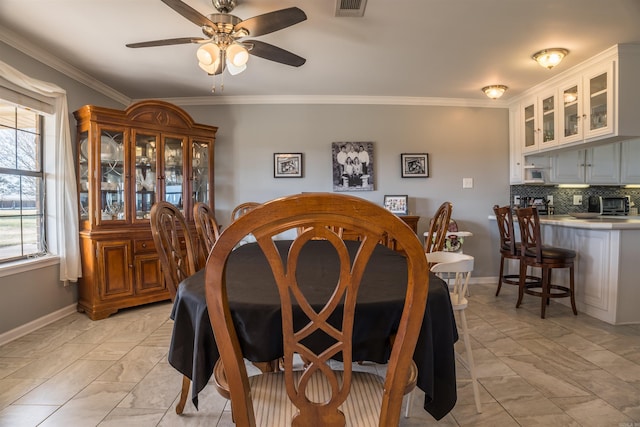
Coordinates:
<point>200,172</point>
<point>173,171</point>
<point>83,176</point>
<point>112,200</point>
<point>145,173</point>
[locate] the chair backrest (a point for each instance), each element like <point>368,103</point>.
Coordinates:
<point>174,244</point>
<point>438,228</point>
<point>461,265</point>
<point>206,227</point>
<point>530,236</point>
<point>504,217</point>
<point>318,215</point>
<point>242,209</point>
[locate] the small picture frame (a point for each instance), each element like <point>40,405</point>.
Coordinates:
<point>287,165</point>
<point>414,165</point>
<point>397,204</point>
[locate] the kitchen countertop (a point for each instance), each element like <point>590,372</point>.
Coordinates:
<point>603,222</point>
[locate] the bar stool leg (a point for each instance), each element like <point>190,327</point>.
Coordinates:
<point>501,275</point>
<point>573,299</point>
<point>523,282</point>
<point>546,276</point>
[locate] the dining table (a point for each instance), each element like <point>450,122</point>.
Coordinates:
<point>255,307</point>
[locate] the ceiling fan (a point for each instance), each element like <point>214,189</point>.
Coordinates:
<point>224,46</point>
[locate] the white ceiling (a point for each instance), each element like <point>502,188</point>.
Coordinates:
<point>400,48</point>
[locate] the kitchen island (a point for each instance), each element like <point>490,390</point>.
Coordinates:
<point>607,281</point>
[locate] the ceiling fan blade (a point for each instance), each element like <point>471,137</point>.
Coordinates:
<point>190,13</point>
<point>166,42</point>
<point>270,22</point>
<point>273,53</point>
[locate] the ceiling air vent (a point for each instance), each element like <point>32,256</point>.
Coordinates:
<point>354,8</point>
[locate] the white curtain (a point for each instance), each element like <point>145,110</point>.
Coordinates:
<point>66,215</point>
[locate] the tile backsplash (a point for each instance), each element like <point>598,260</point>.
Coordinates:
<point>563,197</point>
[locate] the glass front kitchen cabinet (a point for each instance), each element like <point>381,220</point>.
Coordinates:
<point>127,161</point>
<point>587,105</point>
<point>539,115</point>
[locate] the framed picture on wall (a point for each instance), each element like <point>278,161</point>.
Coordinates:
<point>287,165</point>
<point>397,204</point>
<point>353,166</point>
<point>414,165</point>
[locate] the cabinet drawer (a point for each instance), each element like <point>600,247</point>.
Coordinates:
<point>142,246</point>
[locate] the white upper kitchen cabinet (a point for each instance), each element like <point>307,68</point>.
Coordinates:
<point>594,101</point>
<point>539,121</point>
<point>594,165</point>
<point>588,104</point>
<point>630,163</point>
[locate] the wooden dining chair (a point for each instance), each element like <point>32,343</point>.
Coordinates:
<point>437,233</point>
<point>207,229</point>
<point>242,209</point>
<point>316,394</point>
<point>176,252</point>
<point>547,258</point>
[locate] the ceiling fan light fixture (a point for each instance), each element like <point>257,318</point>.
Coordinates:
<point>237,55</point>
<point>208,54</point>
<point>549,58</point>
<point>494,91</point>
<point>211,68</point>
<point>233,70</point>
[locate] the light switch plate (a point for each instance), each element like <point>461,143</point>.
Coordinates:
<point>467,182</point>
<point>577,199</point>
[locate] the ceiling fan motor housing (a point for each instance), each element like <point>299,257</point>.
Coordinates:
<point>224,6</point>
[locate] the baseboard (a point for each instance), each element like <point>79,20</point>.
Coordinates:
<point>36,324</point>
<point>483,280</point>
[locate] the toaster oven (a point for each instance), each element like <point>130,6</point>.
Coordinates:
<point>609,205</point>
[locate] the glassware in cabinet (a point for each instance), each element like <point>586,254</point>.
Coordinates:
<point>145,173</point>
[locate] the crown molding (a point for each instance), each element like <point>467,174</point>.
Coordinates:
<point>334,100</point>
<point>41,55</point>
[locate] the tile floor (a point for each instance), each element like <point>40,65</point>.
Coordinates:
<point>561,371</point>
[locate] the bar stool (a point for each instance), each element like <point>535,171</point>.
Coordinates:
<point>535,254</point>
<point>509,248</point>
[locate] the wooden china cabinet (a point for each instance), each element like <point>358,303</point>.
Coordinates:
<point>127,160</point>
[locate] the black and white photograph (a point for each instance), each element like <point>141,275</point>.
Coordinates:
<point>414,165</point>
<point>397,204</point>
<point>287,165</point>
<point>352,166</point>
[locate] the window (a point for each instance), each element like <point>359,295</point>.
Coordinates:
<point>22,204</point>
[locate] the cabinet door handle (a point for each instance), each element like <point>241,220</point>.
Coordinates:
<point>130,265</point>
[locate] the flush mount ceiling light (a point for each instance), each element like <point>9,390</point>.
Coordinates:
<point>549,58</point>
<point>494,91</point>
